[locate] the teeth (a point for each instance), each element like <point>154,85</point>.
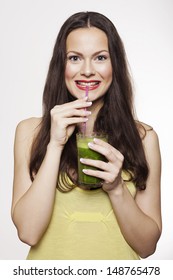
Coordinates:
<point>87,84</point>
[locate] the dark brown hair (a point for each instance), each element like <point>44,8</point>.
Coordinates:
<point>119,122</point>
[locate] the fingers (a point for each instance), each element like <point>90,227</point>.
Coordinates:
<point>106,149</point>
<point>80,103</point>
<point>77,104</point>
<point>61,121</point>
<point>109,171</point>
<point>105,170</point>
<point>72,109</point>
<point>71,113</point>
<point>69,121</point>
<point>95,163</point>
<point>99,174</point>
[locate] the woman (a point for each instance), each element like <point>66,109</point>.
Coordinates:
<point>56,216</point>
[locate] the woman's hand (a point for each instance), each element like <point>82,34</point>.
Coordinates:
<point>111,170</point>
<point>64,119</point>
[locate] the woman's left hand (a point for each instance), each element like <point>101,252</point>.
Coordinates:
<point>109,171</point>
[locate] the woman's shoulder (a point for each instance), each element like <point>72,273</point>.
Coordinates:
<point>143,129</point>
<point>27,128</point>
<point>148,134</point>
<point>31,123</point>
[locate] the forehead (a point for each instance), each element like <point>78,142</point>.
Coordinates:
<point>87,38</point>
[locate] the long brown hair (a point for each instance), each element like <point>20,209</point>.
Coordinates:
<point>119,122</point>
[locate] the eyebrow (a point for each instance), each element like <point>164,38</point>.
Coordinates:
<point>78,53</point>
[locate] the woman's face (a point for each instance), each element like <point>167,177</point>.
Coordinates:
<point>88,63</point>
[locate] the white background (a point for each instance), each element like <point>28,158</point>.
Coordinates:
<point>28,30</point>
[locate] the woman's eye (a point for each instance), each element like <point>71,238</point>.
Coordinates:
<point>73,58</point>
<point>101,57</point>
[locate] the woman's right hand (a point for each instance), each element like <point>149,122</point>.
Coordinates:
<point>64,119</point>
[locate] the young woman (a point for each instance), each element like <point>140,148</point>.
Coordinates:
<point>53,214</point>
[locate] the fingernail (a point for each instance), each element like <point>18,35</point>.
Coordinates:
<point>88,112</point>
<point>95,140</point>
<point>89,103</point>
<point>81,160</point>
<point>90,144</point>
<point>84,170</point>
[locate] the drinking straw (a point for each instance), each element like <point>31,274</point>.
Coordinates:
<point>86,95</point>
<point>86,91</point>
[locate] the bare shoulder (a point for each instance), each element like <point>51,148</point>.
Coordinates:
<point>148,134</point>
<point>28,126</point>
<point>27,129</point>
<point>143,128</point>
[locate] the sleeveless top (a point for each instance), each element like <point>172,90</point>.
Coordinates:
<point>83,226</point>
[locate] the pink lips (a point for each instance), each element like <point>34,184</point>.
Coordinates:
<point>82,84</point>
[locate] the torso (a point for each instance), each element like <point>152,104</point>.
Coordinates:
<point>83,226</point>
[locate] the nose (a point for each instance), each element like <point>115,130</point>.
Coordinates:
<point>87,69</point>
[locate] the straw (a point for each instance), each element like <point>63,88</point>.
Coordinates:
<point>86,95</point>
<point>86,91</point>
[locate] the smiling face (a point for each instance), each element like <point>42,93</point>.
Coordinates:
<point>88,63</point>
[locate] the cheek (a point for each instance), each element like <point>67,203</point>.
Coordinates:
<point>67,73</point>
<point>106,72</point>
<point>70,71</point>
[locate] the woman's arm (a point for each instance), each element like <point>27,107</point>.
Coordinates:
<point>33,202</point>
<point>139,219</point>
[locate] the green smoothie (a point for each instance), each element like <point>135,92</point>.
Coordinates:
<point>85,152</point>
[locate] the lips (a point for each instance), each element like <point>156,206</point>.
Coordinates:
<point>81,84</point>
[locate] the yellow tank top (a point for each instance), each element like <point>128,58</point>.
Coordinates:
<point>83,227</point>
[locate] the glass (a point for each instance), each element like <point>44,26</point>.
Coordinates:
<point>85,152</point>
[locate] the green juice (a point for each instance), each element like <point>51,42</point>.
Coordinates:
<point>85,152</point>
